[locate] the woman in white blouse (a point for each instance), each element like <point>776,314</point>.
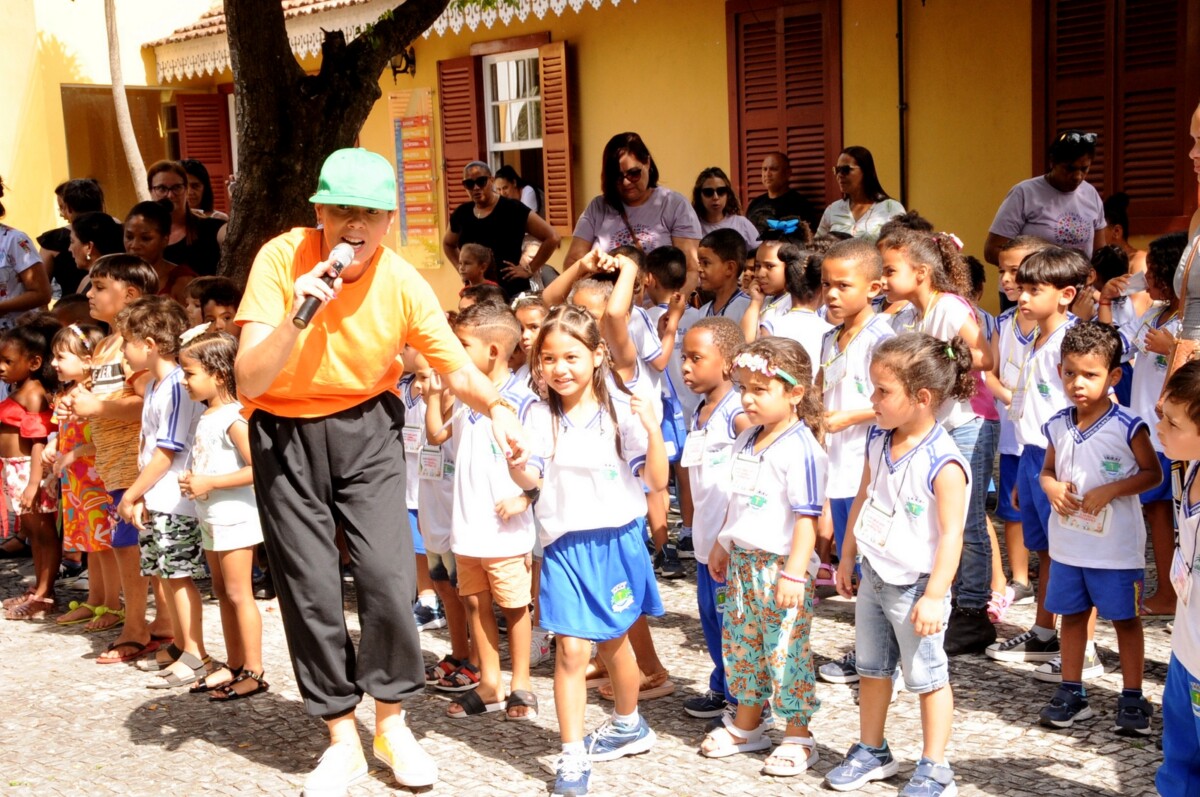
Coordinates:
<point>864,206</point>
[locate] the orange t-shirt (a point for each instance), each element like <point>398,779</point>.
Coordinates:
<point>350,352</point>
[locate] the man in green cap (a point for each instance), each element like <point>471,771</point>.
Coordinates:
<point>325,438</point>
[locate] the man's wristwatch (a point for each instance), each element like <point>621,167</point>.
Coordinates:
<point>501,402</point>
<point>533,494</point>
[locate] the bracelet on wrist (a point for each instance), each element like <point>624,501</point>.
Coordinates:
<point>1105,304</point>
<point>786,576</point>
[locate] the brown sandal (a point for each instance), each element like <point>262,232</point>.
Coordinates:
<point>32,609</point>
<point>657,685</point>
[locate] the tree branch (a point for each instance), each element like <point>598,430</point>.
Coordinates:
<point>392,33</point>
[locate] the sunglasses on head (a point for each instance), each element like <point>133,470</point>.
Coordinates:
<point>1076,138</point>
<point>477,182</point>
<point>718,191</point>
<point>633,175</point>
<point>843,171</point>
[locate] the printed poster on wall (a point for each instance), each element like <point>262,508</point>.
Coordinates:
<point>412,114</point>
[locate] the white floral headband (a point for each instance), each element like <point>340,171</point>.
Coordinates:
<point>756,363</point>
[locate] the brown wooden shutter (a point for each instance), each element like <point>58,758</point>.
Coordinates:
<point>460,90</point>
<point>785,64</point>
<point>1128,70</point>
<point>204,135</point>
<point>556,137</point>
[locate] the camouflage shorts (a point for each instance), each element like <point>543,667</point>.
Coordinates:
<point>171,546</point>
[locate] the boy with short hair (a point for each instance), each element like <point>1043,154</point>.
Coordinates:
<point>170,538</point>
<point>1049,281</point>
<point>722,256</point>
<point>113,404</point>
<point>219,302</point>
<point>1098,459</point>
<point>851,278</point>
<point>492,532</point>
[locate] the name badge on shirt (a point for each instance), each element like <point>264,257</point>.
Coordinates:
<point>745,474</point>
<point>1081,521</point>
<point>1010,373</point>
<point>719,599</point>
<point>1017,405</point>
<point>693,449</point>
<point>430,464</point>
<point>412,439</point>
<point>1181,577</point>
<point>874,525</point>
<point>835,371</point>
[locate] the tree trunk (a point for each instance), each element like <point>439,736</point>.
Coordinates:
<point>289,122</point>
<point>137,169</point>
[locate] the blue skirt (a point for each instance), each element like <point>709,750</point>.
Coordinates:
<point>596,583</point>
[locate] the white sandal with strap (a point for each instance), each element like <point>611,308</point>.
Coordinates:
<point>799,752</point>
<point>727,744</point>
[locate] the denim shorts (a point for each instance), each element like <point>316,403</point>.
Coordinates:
<point>884,635</point>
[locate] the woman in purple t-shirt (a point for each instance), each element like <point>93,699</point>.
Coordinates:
<point>1058,206</point>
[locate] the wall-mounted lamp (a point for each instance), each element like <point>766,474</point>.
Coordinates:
<point>404,63</point>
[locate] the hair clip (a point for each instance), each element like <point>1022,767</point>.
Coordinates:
<point>954,238</point>
<point>786,227</point>
<point>950,353</point>
<point>87,344</point>
<point>191,334</point>
<point>756,363</point>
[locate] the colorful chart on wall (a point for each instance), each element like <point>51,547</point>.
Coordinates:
<point>412,113</point>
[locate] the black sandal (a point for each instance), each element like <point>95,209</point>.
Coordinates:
<point>169,680</point>
<point>202,684</point>
<point>223,694</point>
<point>521,697</point>
<point>472,705</point>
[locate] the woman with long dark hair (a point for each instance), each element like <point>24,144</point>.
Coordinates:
<point>717,206</point>
<point>194,241</point>
<point>864,206</point>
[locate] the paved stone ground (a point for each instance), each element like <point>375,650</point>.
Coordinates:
<point>69,727</point>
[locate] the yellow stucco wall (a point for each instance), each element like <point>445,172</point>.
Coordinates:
<point>49,43</point>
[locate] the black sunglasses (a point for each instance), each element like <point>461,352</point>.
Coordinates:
<point>843,171</point>
<point>633,175</point>
<point>1076,138</point>
<point>477,182</point>
<point>712,192</point>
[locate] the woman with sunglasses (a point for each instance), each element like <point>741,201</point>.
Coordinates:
<point>716,204</point>
<point>194,241</point>
<point>634,210</point>
<point>500,224</point>
<point>864,207</point>
<point>1058,206</point>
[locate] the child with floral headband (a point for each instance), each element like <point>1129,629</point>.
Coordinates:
<point>764,554</point>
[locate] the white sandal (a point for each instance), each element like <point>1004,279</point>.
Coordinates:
<point>801,756</point>
<point>727,745</point>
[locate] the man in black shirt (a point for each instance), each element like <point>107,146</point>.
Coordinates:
<point>780,201</point>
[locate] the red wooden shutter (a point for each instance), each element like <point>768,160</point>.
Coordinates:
<point>556,137</point>
<point>204,135</point>
<point>460,89</point>
<point>785,59</point>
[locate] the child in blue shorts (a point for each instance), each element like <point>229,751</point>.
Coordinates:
<point>1098,460</point>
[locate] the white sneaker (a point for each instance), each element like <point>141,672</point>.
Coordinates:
<point>340,766</point>
<point>539,647</point>
<point>410,764</point>
<point>1051,671</point>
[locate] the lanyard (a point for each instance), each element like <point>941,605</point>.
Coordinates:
<point>840,352</point>
<point>884,450</point>
<point>712,310</point>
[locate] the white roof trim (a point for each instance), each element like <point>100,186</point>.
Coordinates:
<point>209,55</point>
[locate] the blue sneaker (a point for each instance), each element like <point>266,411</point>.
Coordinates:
<point>860,766</point>
<point>1065,709</point>
<point>930,780</point>
<point>610,741</point>
<point>1133,716</point>
<point>571,775</point>
<point>710,704</point>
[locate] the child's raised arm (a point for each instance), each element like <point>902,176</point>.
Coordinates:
<point>753,312</point>
<point>556,292</point>
<point>615,324</point>
<point>438,406</point>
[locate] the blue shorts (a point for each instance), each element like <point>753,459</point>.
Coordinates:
<point>839,509</point>
<point>1116,594</point>
<point>1008,479</point>
<point>418,542</point>
<point>884,635</point>
<point>1164,491</point>
<point>1124,388</point>
<point>1180,770</point>
<point>124,535</point>
<point>596,583</point>
<point>1034,505</point>
<point>674,428</point>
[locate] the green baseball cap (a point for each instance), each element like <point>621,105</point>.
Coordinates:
<point>356,177</point>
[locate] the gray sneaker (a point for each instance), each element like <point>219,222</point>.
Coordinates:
<point>1051,671</point>
<point>1023,594</point>
<point>930,780</point>
<point>842,671</point>
<point>860,766</point>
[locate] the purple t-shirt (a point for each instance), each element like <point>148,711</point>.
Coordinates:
<point>1034,207</point>
<point>665,215</point>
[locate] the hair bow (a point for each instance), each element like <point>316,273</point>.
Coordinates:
<point>756,363</point>
<point>191,334</point>
<point>787,227</point>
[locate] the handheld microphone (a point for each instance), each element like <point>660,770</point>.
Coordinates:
<point>339,258</point>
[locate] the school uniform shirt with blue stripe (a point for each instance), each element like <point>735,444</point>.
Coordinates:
<point>169,418</point>
<point>903,490</point>
<point>1125,318</point>
<point>482,479</point>
<point>644,334</point>
<point>1042,387</point>
<point>1097,456</point>
<point>943,320</point>
<point>1012,347</point>
<point>1150,369</point>
<point>775,307</point>
<point>1185,639</point>
<point>790,482</point>
<point>711,478</point>
<point>586,485</point>
<point>803,326</point>
<point>733,309</point>
<point>435,500</point>
<point>688,401</point>
<point>414,424</point>
<point>851,390</point>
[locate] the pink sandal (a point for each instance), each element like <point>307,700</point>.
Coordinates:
<point>827,580</point>
<point>998,606</point>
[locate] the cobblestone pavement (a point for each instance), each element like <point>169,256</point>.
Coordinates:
<point>71,728</point>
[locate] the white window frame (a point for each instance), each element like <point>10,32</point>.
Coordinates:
<point>489,101</point>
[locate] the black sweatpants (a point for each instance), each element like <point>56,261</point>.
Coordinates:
<point>309,475</point>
